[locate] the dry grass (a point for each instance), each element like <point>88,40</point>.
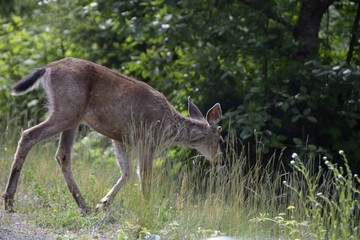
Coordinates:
<point>187,202</point>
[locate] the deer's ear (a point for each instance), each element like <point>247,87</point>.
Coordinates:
<point>194,111</point>
<point>213,116</point>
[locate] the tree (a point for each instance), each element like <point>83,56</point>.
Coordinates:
<point>276,66</point>
<point>354,36</point>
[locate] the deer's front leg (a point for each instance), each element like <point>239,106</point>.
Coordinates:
<point>144,171</point>
<point>123,161</point>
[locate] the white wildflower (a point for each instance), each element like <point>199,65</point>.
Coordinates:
<point>294,155</point>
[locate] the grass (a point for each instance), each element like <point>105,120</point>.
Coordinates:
<point>315,200</point>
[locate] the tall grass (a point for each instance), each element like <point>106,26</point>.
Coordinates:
<point>315,200</point>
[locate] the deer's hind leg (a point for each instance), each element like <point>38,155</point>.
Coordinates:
<point>123,160</point>
<point>29,138</point>
<point>63,157</point>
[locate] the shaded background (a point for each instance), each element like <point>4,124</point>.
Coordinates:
<point>287,69</point>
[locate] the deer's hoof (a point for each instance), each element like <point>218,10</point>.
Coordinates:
<point>8,204</point>
<point>85,211</point>
<point>102,205</point>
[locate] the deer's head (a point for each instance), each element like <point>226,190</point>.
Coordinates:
<point>206,136</point>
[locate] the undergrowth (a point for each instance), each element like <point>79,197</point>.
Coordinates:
<point>315,199</point>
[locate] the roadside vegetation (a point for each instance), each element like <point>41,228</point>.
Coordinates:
<point>306,198</point>
<point>286,73</point>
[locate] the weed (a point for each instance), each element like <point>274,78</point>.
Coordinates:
<point>324,202</point>
<point>316,200</point>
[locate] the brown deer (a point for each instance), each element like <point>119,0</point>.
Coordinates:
<point>128,111</point>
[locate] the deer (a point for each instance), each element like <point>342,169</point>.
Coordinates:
<point>126,110</point>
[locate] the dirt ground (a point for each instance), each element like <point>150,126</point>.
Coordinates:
<point>14,226</point>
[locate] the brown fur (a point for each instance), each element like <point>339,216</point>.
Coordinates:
<point>128,111</point>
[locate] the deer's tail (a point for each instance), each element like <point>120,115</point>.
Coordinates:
<point>29,82</point>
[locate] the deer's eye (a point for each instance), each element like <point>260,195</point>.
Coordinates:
<point>219,129</point>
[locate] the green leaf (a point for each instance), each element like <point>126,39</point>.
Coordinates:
<point>312,147</point>
<point>295,118</point>
<point>312,119</point>
<point>297,141</point>
<point>277,122</point>
<point>307,111</point>
<point>16,19</point>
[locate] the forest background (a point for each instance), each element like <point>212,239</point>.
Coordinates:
<point>286,72</point>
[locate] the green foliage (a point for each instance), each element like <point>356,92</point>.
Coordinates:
<point>318,199</point>
<point>325,204</point>
<point>241,55</point>
<point>98,150</point>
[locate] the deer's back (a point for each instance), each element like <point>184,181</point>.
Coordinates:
<point>108,101</point>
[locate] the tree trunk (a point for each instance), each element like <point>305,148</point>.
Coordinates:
<point>354,36</point>
<point>306,30</point>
